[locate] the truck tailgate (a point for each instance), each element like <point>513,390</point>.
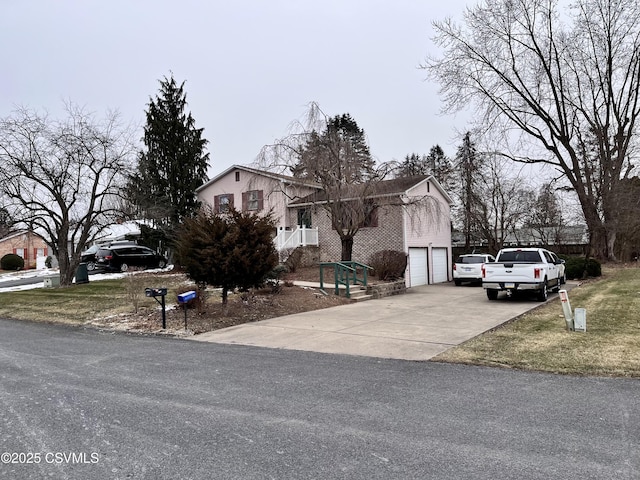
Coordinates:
<point>509,272</point>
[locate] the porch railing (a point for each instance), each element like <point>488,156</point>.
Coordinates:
<point>300,237</point>
<point>343,274</point>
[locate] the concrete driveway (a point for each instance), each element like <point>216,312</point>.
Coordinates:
<point>416,326</point>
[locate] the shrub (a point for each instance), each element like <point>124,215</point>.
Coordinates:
<point>11,261</point>
<point>134,286</point>
<point>48,261</point>
<point>275,276</point>
<point>577,267</point>
<point>388,264</point>
<point>234,250</point>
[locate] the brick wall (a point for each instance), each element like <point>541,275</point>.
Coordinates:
<point>386,236</point>
<point>27,243</point>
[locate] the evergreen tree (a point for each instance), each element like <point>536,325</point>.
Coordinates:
<point>234,250</point>
<point>436,163</point>
<point>337,155</point>
<point>412,165</point>
<point>338,158</point>
<point>469,167</point>
<point>174,162</point>
<point>5,222</point>
<point>441,167</point>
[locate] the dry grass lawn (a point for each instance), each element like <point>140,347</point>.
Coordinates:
<point>539,341</point>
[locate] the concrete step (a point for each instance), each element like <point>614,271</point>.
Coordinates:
<point>359,295</point>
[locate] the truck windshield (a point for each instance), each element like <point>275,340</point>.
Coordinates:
<point>520,257</point>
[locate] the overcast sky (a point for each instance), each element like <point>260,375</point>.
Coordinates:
<point>251,66</point>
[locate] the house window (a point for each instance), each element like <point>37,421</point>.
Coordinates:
<point>19,252</point>
<point>371,216</point>
<point>365,215</point>
<point>237,176</point>
<point>252,201</point>
<point>222,203</point>
<point>304,217</point>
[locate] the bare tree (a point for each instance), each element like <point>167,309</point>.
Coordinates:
<point>62,178</point>
<point>544,218</point>
<point>332,153</point>
<point>566,96</point>
<point>629,219</point>
<point>501,202</point>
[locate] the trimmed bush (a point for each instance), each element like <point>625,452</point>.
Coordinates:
<point>577,266</point>
<point>274,277</point>
<point>388,264</point>
<point>11,261</point>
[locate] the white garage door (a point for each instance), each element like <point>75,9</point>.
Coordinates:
<point>440,265</point>
<point>418,266</point>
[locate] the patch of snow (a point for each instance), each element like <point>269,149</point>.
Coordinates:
<point>26,274</point>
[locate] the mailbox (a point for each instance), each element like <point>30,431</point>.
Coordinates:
<point>186,296</point>
<point>155,292</point>
<point>183,299</point>
<point>159,292</point>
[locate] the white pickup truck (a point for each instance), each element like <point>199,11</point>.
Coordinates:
<point>523,269</point>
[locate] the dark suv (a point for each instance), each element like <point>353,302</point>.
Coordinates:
<point>122,258</point>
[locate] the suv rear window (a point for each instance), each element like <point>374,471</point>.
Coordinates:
<point>473,259</point>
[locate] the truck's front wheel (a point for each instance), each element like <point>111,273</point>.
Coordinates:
<point>492,294</point>
<point>543,293</point>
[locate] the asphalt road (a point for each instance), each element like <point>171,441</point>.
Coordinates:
<point>82,404</point>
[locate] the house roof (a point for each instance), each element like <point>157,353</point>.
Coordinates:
<point>17,233</point>
<point>384,188</point>
<point>264,173</point>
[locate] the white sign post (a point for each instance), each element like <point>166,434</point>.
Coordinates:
<point>566,308</point>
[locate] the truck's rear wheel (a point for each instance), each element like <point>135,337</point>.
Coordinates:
<point>543,293</point>
<point>492,294</point>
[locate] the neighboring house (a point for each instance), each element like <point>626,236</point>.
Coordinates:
<point>565,239</point>
<point>27,244</point>
<point>118,232</point>
<point>411,215</point>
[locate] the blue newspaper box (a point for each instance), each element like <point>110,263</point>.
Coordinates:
<point>186,296</point>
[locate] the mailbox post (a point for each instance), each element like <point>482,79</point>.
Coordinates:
<point>183,299</point>
<point>155,293</point>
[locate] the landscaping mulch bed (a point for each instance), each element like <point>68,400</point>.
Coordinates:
<point>241,308</point>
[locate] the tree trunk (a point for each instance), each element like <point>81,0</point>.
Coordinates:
<point>347,248</point>
<point>225,291</point>
<point>64,262</point>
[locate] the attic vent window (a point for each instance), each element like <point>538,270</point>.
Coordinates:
<point>237,176</point>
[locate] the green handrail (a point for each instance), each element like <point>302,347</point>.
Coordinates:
<point>343,273</point>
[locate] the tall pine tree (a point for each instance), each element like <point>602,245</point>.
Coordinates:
<point>173,164</point>
<point>338,155</point>
<point>469,165</point>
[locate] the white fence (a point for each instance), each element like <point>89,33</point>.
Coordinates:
<point>301,236</point>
